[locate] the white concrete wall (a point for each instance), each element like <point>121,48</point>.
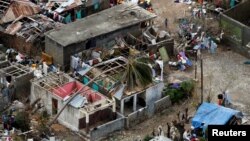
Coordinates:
<point>153,94</point>
<point>69,117</point>
<point>37,92</point>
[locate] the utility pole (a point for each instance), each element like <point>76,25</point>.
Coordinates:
<point>201,81</point>
<point>195,66</point>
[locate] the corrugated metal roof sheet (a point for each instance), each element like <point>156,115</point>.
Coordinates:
<point>31,28</point>
<point>17,8</point>
<point>79,101</point>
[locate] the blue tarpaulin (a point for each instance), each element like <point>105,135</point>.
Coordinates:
<point>213,114</point>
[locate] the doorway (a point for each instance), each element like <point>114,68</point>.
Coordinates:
<point>54,106</point>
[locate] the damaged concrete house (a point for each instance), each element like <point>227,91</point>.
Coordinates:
<point>237,20</point>
<point>97,30</point>
<point>23,28</point>
<point>26,33</point>
<point>12,9</point>
<point>137,104</point>
<point>88,110</point>
<point>72,10</point>
<point>15,80</point>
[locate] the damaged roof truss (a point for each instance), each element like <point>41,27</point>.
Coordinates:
<point>16,70</point>
<point>111,71</point>
<point>51,81</point>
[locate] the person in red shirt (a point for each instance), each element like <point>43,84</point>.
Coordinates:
<point>220,99</point>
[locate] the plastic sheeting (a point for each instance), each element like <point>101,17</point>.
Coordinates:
<point>213,114</point>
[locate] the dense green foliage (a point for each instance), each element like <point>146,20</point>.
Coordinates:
<point>22,121</point>
<point>147,138</point>
<point>137,74</point>
<point>185,90</point>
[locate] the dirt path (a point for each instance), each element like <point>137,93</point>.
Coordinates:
<point>170,10</point>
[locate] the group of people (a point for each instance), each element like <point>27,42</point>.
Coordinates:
<point>8,121</point>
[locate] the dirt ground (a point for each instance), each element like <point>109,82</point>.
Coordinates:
<point>170,10</point>
<point>226,71</point>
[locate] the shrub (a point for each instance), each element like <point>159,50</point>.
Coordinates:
<point>147,138</point>
<point>188,86</point>
<point>175,94</point>
<point>185,89</point>
<point>22,121</point>
<point>43,119</point>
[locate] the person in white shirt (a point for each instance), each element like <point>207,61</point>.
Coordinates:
<point>186,135</point>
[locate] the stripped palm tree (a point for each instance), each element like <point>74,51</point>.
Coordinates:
<point>137,74</point>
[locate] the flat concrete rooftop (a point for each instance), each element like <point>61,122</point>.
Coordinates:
<point>109,20</point>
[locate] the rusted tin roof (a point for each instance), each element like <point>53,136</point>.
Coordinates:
<point>31,28</point>
<point>10,10</point>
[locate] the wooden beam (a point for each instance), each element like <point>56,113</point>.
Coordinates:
<point>20,67</point>
<point>4,2</point>
<point>16,71</point>
<point>4,6</point>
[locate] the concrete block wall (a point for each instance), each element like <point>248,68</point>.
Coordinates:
<point>235,18</point>
<point>20,44</point>
<point>137,117</point>
<point>37,92</point>
<point>107,128</point>
<point>238,45</point>
<point>55,50</point>
<point>22,85</point>
<point>69,117</point>
<point>162,104</point>
<point>61,55</point>
<point>153,94</point>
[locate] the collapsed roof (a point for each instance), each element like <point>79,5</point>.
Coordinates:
<point>31,28</point>
<point>63,87</point>
<point>106,74</point>
<point>12,9</point>
<point>14,69</point>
